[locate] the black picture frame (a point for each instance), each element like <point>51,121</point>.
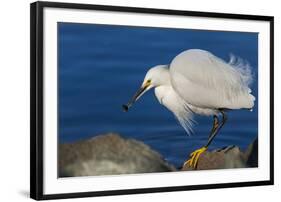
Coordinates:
<point>37,99</point>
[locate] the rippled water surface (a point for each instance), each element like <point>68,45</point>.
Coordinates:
<point>101,67</point>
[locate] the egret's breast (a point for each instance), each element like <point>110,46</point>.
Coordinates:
<point>161,93</point>
<point>169,98</point>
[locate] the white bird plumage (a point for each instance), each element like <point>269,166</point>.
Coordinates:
<point>198,82</point>
<point>206,81</point>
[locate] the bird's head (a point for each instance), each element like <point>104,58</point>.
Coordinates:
<point>156,76</point>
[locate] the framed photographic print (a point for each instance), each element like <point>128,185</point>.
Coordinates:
<point>135,100</point>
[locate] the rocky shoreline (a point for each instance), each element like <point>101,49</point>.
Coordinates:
<point>111,154</point>
<point>228,157</point>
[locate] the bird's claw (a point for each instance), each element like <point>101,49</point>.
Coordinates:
<point>194,157</point>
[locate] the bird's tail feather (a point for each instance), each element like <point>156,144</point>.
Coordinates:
<point>244,68</point>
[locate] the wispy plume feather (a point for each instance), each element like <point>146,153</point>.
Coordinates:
<point>243,67</point>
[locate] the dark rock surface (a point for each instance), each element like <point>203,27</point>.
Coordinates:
<point>229,157</point>
<point>252,154</point>
<point>109,154</point>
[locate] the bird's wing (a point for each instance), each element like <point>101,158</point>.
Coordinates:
<point>206,81</point>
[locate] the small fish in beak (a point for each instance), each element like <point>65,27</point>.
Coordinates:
<point>137,95</point>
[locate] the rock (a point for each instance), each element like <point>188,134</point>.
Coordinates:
<point>109,154</point>
<point>252,154</point>
<point>228,157</point>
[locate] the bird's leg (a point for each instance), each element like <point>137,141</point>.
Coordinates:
<point>215,125</point>
<point>194,156</point>
<point>216,130</point>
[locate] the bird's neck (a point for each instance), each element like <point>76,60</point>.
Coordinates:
<point>164,78</point>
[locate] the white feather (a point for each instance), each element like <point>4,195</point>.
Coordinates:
<point>169,98</point>
<point>206,81</point>
<point>243,67</point>
<point>197,82</point>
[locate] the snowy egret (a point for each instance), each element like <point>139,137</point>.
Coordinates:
<point>198,82</point>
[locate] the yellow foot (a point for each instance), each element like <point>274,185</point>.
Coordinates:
<point>194,157</point>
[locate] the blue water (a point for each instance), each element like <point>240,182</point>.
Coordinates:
<point>101,67</point>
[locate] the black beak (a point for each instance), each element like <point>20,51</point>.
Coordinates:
<point>137,95</point>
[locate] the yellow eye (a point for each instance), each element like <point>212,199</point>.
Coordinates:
<point>147,83</point>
